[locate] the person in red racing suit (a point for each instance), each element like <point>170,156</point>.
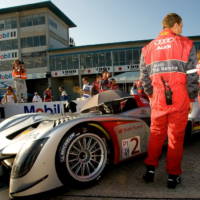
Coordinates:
<point>169,80</point>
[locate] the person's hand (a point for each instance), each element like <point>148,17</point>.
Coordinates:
<point>150,99</point>
<point>190,108</point>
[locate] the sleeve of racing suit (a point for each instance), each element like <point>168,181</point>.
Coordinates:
<point>192,76</point>
<point>145,77</point>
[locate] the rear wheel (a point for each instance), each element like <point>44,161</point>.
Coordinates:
<point>81,157</point>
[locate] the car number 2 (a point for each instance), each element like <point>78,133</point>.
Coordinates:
<point>130,147</point>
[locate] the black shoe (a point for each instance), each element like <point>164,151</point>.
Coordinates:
<point>1,185</point>
<point>149,174</point>
<point>173,181</point>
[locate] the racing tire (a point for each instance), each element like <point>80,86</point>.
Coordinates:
<point>82,157</point>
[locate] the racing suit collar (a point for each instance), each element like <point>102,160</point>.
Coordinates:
<point>166,32</point>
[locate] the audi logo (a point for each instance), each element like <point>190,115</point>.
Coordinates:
<point>164,41</point>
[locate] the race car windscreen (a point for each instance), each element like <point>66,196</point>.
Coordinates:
<point>118,106</point>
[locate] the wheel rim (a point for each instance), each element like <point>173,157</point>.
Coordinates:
<point>86,157</point>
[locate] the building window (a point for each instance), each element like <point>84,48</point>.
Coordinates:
<point>32,20</point>
<point>36,41</point>
<point>108,59</point>
<point>13,34</point>
<point>95,59</point>
<point>2,27</point>
<point>33,41</point>
<point>129,56</point>
<point>136,56</point>
<point>75,61</point>
<point>122,57</point>
<point>197,45</point>
<point>102,60</point>
<point>35,59</point>
<point>82,61</point>
<point>52,62</point>
<point>42,40</point>
<point>64,62</point>
<point>14,55</point>
<point>8,24</point>
<point>53,24</point>
<point>6,65</point>
<point>69,63</point>
<point>8,45</point>
<point>115,57</point>
<point>88,61</point>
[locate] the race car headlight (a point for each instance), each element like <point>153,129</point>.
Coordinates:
<point>26,157</point>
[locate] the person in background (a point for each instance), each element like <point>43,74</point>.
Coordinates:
<point>36,98</point>
<point>164,67</point>
<point>113,84</point>
<point>19,76</point>
<point>86,90</point>
<point>9,96</point>
<point>141,102</point>
<point>48,95</point>
<point>140,90</point>
<point>63,94</point>
<point>105,84</point>
<point>134,89</point>
<point>96,84</point>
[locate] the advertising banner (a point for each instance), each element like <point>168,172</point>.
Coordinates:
<point>5,75</point>
<point>8,34</point>
<point>54,107</point>
<point>8,55</point>
<point>61,73</point>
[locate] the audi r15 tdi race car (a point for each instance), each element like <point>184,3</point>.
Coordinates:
<point>44,152</point>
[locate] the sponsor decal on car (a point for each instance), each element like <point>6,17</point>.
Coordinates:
<point>126,128</point>
<point>64,147</point>
<point>130,147</point>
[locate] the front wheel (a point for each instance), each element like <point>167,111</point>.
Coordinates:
<point>82,157</point>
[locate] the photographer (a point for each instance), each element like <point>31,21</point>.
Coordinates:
<point>19,76</point>
<point>169,80</point>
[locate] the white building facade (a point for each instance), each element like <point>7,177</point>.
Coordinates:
<point>26,33</point>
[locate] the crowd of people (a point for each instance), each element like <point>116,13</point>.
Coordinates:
<point>102,83</point>
<point>11,97</point>
<point>18,93</point>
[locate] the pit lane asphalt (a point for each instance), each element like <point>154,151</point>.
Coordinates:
<point>124,181</point>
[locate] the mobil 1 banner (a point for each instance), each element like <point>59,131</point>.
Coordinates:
<point>54,107</point>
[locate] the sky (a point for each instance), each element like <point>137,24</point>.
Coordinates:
<point>107,21</point>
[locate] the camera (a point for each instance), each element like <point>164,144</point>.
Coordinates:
<point>168,96</point>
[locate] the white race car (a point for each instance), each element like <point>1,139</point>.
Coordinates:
<point>44,151</point>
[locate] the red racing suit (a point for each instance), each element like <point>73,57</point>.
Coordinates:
<point>165,62</point>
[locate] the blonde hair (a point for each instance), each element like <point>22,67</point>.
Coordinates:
<point>170,19</point>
